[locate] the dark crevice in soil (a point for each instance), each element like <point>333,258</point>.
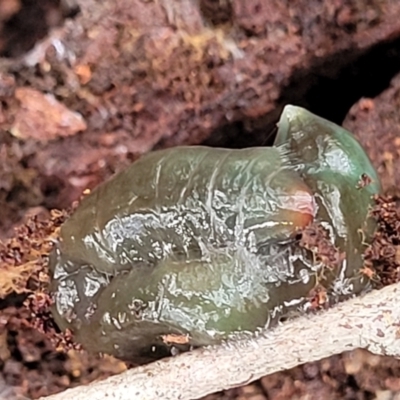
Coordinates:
<point>13,300</point>
<point>216,12</point>
<point>31,22</point>
<point>328,88</point>
<point>332,87</point>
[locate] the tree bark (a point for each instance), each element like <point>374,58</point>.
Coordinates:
<point>371,322</point>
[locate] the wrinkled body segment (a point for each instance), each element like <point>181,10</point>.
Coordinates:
<point>200,243</point>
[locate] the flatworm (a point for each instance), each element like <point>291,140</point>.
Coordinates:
<point>201,244</point>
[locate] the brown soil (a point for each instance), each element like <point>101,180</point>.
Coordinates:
<point>116,81</point>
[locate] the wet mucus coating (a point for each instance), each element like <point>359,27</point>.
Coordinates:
<point>193,245</point>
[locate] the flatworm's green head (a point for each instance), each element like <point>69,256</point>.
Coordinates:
<point>193,245</point>
<point>335,167</point>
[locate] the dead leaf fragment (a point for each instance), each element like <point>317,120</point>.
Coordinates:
<point>175,339</point>
<point>42,117</point>
<point>84,73</point>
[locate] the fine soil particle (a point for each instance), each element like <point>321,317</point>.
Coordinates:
<point>316,239</point>
<point>382,258</point>
<point>376,123</point>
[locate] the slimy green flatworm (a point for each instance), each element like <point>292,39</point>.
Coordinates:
<point>202,243</point>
